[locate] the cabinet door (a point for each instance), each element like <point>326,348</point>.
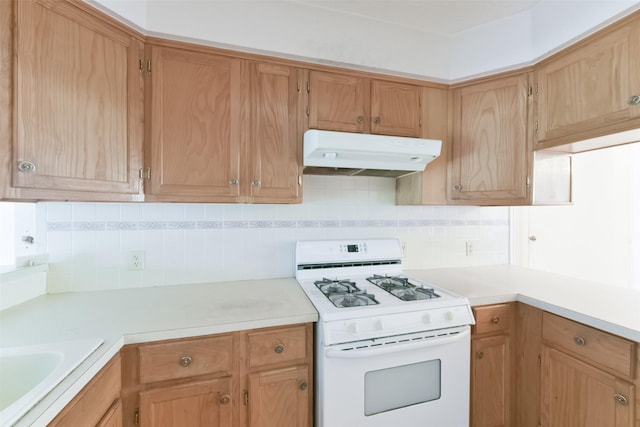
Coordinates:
<point>113,417</point>
<point>575,394</point>
<point>490,381</point>
<point>490,150</point>
<point>589,87</point>
<point>280,398</point>
<point>395,109</point>
<point>78,105</point>
<point>338,102</point>
<point>197,404</point>
<point>274,166</point>
<point>193,145</point>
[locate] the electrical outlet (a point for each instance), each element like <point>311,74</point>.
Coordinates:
<point>469,248</point>
<point>136,260</point>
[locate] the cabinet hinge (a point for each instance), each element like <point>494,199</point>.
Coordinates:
<point>308,111</point>
<point>536,126</point>
<point>136,417</point>
<point>536,88</point>
<point>246,397</point>
<point>420,123</point>
<point>299,180</point>
<point>141,64</point>
<point>148,66</point>
<point>144,174</point>
<point>528,182</point>
<point>308,87</point>
<point>298,87</point>
<point>530,91</point>
<point>539,361</point>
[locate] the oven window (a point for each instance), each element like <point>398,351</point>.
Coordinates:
<point>401,386</point>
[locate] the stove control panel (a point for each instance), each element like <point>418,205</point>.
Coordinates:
<point>353,248</point>
<point>374,327</point>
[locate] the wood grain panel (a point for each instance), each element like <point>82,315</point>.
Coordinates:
<point>491,390</point>
<point>528,370</point>
<point>274,148</point>
<point>194,126</point>
<point>490,155</point>
<point>161,361</point>
<point>195,405</point>
<point>279,398</point>
<point>75,116</point>
<point>589,87</point>
<point>262,346</point>
<point>94,400</point>
<point>576,394</point>
<point>609,352</point>
<point>113,417</point>
<point>395,108</point>
<point>338,102</point>
<point>494,318</point>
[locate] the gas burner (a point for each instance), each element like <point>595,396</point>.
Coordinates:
<point>352,299</point>
<point>402,288</point>
<point>328,286</point>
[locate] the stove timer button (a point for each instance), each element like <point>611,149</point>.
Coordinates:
<point>379,325</point>
<point>426,319</point>
<point>448,316</point>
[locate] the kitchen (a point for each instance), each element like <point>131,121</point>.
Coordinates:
<point>334,207</point>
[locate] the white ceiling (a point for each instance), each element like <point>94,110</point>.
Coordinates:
<point>447,17</point>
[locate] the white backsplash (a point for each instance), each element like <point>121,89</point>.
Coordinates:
<point>89,243</point>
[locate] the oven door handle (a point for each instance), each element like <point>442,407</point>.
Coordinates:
<point>393,348</point>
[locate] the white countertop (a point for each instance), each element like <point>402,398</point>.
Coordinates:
<point>127,316</point>
<point>610,308</point>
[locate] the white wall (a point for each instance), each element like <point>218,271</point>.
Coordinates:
<point>597,237</point>
<point>310,32</point>
<point>89,243</point>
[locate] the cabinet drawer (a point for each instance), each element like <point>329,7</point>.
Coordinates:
<point>185,358</point>
<point>492,318</point>
<point>277,345</point>
<point>612,353</point>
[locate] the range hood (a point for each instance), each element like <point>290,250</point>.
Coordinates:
<point>343,153</point>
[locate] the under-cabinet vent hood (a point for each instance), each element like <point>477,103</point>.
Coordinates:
<point>342,153</point>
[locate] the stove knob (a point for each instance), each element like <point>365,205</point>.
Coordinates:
<point>426,318</point>
<point>448,316</point>
<point>379,325</point>
<point>353,328</point>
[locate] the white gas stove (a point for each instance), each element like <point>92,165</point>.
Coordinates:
<point>390,350</point>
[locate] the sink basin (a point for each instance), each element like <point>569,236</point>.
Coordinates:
<point>28,373</point>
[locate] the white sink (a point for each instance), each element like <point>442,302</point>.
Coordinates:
<point>28,373</point>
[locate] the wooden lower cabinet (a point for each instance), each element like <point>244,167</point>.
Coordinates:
<point>492,366</point>
<point>98,403</point>
<point>199,404</point>
<point>258,378</point>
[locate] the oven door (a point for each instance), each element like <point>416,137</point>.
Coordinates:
<point>419,380</point>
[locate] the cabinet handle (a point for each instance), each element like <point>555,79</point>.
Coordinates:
<point>26,167</point>
<point>256,183</point>
<point>480,354</point>
<point>377,120</point>
<point>303,385</point>
<point>360,119</point>
<point>620,399</point>
<point>279,348</point>
<point>233,181</point>
<point>533,238</point>
<point>579,340</point>
<point>457,187</point>
<point>634,100</point>
<point>224,399</point>
<point>185,361</point>
<point>495,320</point>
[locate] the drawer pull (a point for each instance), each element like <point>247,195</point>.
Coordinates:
<point>495,320</point>
<point>279,348</point>
<point>620,399</point>
<point>579,340</point>
<point>185,361</point>
<point>224,399</point>
<point>302,385</point>
<point>480,354</point>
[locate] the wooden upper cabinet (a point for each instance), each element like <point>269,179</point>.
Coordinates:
<point>273,155</point>
<point>77,106</point>
<point>338,102</point>
<point>395,108</point>
<point>193,131</point>
<point>586,91</point>
<point>357,104</point>
<point>490,157</point>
